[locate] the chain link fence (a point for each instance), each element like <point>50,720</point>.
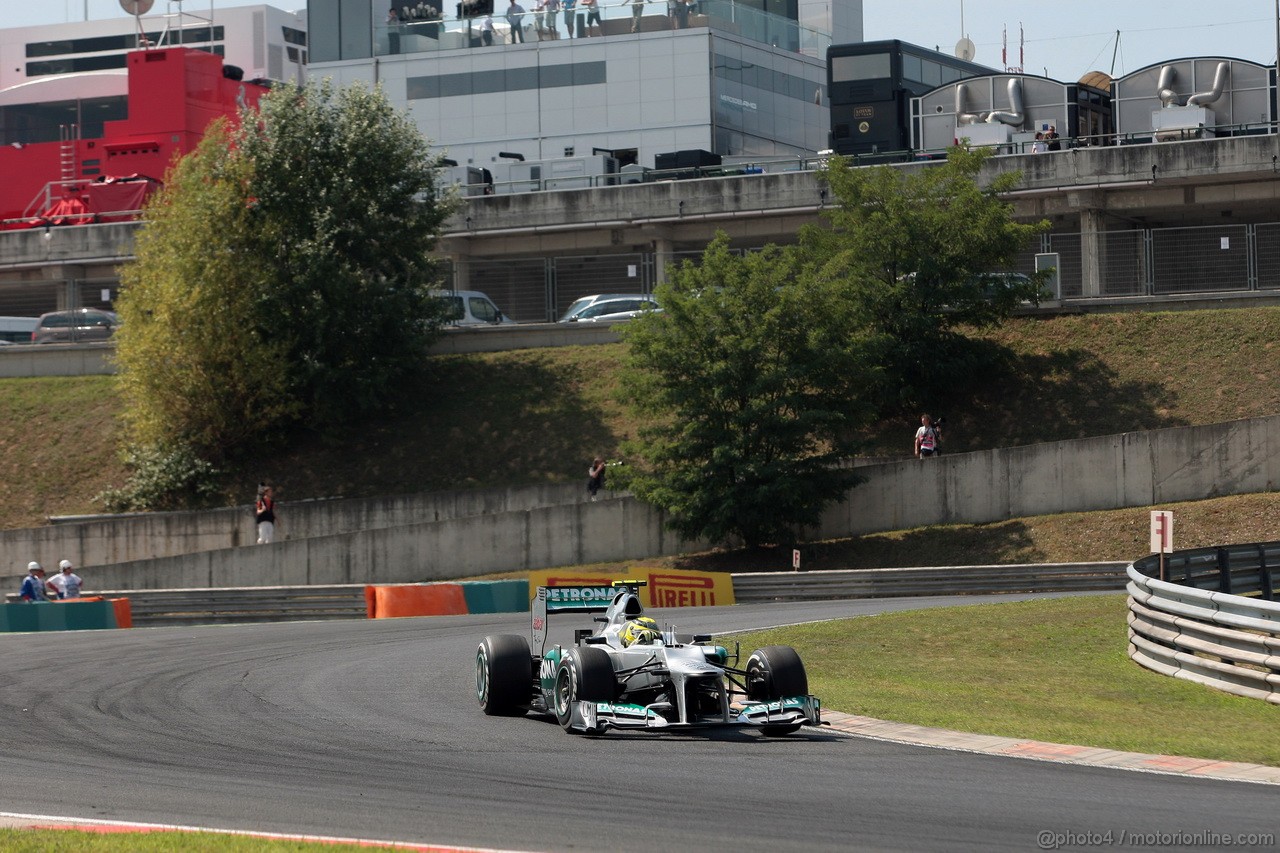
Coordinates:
<point>1155,262</point>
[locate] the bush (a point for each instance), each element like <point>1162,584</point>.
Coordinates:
<point>163,478</point>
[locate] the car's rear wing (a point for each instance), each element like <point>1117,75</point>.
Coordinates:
<point>548,600</point>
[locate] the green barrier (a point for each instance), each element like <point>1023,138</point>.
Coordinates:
<point>50,616</point>
<point>496,596</point>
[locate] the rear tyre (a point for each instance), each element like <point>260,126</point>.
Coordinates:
<point>585,674</point>
<point>504,674</point>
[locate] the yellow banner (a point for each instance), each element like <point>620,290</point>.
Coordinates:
<point>665,587</point>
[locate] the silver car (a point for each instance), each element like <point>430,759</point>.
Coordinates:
<point>75,326</point>
<point>609,308</point>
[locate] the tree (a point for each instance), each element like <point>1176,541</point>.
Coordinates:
<point>749,387</point>
<point>282,274</point>
<point>916,249</point>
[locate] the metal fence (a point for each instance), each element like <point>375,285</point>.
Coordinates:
<point>1212,259</point>
<point>1150,262</point>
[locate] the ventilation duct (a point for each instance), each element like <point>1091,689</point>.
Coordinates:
<point>1015,115</point>
<point>1204,99</point>
<point>1164,88</point>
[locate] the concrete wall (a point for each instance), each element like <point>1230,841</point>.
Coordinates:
<point>56,360</point>
<point>622,528</point>
<point>1107,472</point>
<point>118,539</point>
<point>95,358</point>
<point>461,534</point>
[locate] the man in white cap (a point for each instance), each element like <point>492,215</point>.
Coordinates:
<point>33,583</point>
<point>66,582</point>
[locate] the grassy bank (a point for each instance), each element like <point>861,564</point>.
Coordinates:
<point>538,416</point>
<point>1052,670</point>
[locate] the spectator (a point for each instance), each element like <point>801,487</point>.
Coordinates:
<point>567,5</point>
<point>515,15</point>
<point>637,10</point>
<point>486,30</point>
<point>553,8</point>
<point>595,477</point>
<point>33,585</point>
<point>681,11</point>
<point>66,582</point>
<point>1038,146</point>
<point>265,515</point>
<point>593,14</point>
<point>1051,137</point>
<point>927,438</point>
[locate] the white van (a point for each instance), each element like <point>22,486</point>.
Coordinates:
<point>471,308</point>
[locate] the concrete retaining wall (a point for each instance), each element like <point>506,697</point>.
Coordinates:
<point>1107,472</point>
<point>461,534</point>
<point>569,534</point>
<point>118,539</point>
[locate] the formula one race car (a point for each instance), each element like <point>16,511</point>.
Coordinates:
<point>627,674</point>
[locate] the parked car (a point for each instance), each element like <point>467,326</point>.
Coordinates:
<point>585,302</point>
<point>472,308</point>
<point>75,326</point>
<point>618,307</point>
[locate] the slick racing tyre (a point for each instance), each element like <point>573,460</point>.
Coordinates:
<point>504,674</point>
<point>773,673</point>
<point>585,674</point>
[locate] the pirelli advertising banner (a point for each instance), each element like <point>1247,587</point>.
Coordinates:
<point>666,587</point>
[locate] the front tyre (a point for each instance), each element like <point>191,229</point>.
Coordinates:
<point>773,673</point>
<point>504,673</point>
<point>585,674</point>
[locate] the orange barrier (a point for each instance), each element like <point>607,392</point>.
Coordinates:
<point>436,599</point>
<point>124,612</point>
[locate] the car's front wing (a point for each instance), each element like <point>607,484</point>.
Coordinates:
<point>789,711</point>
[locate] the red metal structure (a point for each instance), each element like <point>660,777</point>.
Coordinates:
<point>173,96</point>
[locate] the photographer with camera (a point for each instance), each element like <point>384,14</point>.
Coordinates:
<point>928,437</point>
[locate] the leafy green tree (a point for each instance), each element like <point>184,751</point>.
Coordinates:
<point>345,206</point>
<point>750,386</point>
<point>198,369</point>
<point>916,248</point>
<point>282,275</point>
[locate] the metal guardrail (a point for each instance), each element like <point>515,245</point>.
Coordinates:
<point>958,580</point>
<point>346,601</point>
<point>1216,625</point>
<point>153,607</point>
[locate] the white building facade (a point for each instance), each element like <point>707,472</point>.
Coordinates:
<point>721,76</point>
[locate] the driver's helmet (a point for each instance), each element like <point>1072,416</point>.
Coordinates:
<point>639,630</point>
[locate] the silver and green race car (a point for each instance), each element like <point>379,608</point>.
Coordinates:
<point>608,679</point>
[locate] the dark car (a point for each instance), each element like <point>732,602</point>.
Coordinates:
<point>75,326</point>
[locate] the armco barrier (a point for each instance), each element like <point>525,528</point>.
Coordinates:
<point>880,583</point>
<point>348,601</point>
<point>85,614</point>
<point>1223,640</point>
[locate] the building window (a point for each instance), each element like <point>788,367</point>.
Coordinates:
<point>874,66</point>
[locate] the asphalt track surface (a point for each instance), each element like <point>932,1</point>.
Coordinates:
<point>370,729</point>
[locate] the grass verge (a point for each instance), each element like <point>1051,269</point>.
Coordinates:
<point>1051,670</point>
<point>75,841</point>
